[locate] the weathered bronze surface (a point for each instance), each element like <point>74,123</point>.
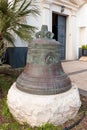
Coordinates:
<point>43,74</point>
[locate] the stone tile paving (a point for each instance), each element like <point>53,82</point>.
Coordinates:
<point>77,71</point>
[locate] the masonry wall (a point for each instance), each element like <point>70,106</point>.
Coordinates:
<point>82,25</point>
<point>76,24</point>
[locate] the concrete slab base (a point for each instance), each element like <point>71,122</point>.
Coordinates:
<point>37,110</point>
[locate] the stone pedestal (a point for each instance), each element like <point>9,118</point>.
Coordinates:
<point>37,110</point>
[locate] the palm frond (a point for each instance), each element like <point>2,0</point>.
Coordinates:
<point>28,4</point>
<point>26,26</point>
<point>11,18</point>
<point>24,34</point>
<point>2,48</point>
<point>28,8</point>
<point>33,12</point>
<point>3,6</point>
<point>22,5</point>
<point>14,3</point>
<point>9,37</point>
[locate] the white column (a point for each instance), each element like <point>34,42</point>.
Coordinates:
<point>74,37</point>
<point>71,51</point>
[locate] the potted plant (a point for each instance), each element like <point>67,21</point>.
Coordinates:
<point>84,50</point>
<point>12,15</point>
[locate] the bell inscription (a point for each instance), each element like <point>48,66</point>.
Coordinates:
<point>43,74</point>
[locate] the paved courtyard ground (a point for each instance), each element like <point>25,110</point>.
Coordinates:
<point>77,71</point>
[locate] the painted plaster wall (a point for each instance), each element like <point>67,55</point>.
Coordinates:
<point>82,25</point>
<point>46,18</point>
<point>36,21</point>
<point>76,24</point>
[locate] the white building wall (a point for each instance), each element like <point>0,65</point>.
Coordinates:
<point>76,23</point>
<point>36,20</point>
<point>69,12</point>
<point>82,25</point>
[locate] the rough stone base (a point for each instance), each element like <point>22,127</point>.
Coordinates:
<point>37,110</point>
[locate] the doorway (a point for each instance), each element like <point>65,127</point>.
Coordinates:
<point>59,30</point>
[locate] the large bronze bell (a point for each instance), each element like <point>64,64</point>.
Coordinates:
<point>43,74</point>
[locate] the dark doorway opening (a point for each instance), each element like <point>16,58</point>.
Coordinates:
<point>59,30</point>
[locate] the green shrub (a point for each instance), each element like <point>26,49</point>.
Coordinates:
<point>84,46</point>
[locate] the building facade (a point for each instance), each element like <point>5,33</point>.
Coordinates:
<point>67,19</point>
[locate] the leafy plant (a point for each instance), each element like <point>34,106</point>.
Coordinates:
<point>5,126</point>
<point>5,111</point>
<point>12,17</point>
<point>50,127</point>
<point>84,47</point>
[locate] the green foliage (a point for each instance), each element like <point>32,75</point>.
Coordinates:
<point>3,5</point>
<point>2,49</point>
<point>5,111</point>
<point>84,46</point>
<point>12,17</point>
<point>50,127</point>
<point>4,126</point>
